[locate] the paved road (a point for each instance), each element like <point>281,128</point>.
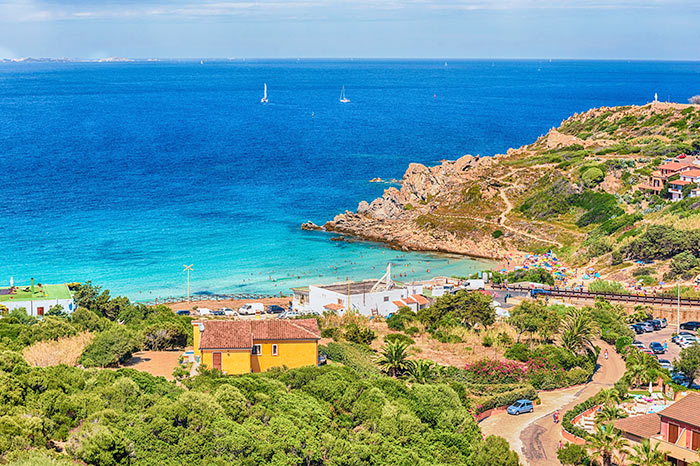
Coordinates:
<point>534,436</point>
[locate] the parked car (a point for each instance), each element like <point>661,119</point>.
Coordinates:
<point>636,328</point>
<point>646,326</point>
<point>228,311</point>
<point>521,406</point>
<point>687,333</point>
<point>289,315</point>
<point>655,324</point>
<point>657,347</point>
<point>218,312</point>
<point>686,343</point>
<point>638,344</point>
<point>664,322</point>
<point>203,311</point>
<point>665,364</point>
<point>182,312</point>
<point>692,325</point>
<point>250,309</point>
<point>647,351</point>
<point>275,309</point>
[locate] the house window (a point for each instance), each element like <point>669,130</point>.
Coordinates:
<point>40,311</point>
<point>340,301</point>
<point>695,441</point>
<point>672,433</point>
<point>257,350</point>
<point>274,350</point>
<point>386,299</point>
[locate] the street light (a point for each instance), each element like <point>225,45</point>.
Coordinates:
<point>678,310</point>
<point>187,269</point>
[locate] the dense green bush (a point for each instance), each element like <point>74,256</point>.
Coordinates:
<point>393,337</point>
<point>518,352</point>
<point>359,334</point>
<point>592,177</point>
<point>109,348</point>
<point>606,286</point>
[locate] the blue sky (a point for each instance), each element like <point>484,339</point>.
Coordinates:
<point>598,29</point>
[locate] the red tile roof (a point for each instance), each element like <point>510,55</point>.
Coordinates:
<point>398,303</point>
<point>685,410</point>
<point>420,299</point>
<point>334,307</point>
<point>692,173</point>
<point>679,182</point>
<point>674,166</point>
<point>409,300</point>
<point>643,426</point>
<point>235,334</point>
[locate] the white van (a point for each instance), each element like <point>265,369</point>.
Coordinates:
<point>203,311</point>
<point>250,309</point>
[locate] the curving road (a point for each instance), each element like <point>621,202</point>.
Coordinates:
<point>534,436</point>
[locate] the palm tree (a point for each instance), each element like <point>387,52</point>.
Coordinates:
<point>578,330</point>
<point>644,455</point>
<point>609,413</point>
<point>606,443</point>
<point>643,368</point>
<point>421,370</point>
<point>608,396</point>
<point>394,358</point>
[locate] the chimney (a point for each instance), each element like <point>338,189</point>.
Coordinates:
<point>32,286</point>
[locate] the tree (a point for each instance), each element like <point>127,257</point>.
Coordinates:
<point>609,413</point>
<point>608,397</point>
<point>578,331</point>
<point>688,363</point>
<point>572,455</point>
<point>394,358</point>
<point>494,451</point>
<point>464,307</point>
<point>683,264</point>
<point>645,455</point>
<point>357,334</point>
<point>534,316</point>
<point>606,443</point>
<point>643,368</point>
<point>56,310</point>
<point>592,177</point>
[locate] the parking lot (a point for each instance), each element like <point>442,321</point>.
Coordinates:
<point>663,335</point>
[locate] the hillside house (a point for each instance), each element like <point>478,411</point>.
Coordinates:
<point>665,171</point>
<point>244,346</point>
<point>37,299</point>
<point>676,430</point>
<point>687,177</point>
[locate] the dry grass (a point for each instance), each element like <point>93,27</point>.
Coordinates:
<point>53,352</point>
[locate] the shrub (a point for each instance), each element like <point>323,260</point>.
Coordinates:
<point>568,417</point>
<point>109,348</point>
<point>572,454</point>
<point>393,337</point>
<point>412,330</point>
<point>605,286</point>
<point>487,402</point>
<point>504,339</point>
<point>487,341</point>
<point>331,332</point>
<point>518,352</point>
<point>592,177</point>
<point>357,334</point>
<point>497,234</point>
<point>623,342</point>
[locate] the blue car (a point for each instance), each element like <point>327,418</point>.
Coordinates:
<point>520,406</point>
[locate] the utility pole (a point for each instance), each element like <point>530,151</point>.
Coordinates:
<point>187,269</point>
<point>678,311</point>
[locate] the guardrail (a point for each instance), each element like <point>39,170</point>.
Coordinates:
<point>630,298</point>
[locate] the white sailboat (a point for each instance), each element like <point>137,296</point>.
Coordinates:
<point>343,99</point>
<point>264,97</point>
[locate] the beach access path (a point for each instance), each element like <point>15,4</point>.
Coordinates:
<point>534,436</point>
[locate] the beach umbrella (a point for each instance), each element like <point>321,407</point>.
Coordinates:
<point>651,388</point>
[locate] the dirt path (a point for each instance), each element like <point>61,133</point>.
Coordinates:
<point>504,227</point>
<point>509,206</point>
<point>534,436</point>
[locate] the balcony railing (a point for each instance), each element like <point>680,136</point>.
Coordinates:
<point>674,451</point>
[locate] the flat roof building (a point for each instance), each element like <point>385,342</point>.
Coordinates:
<point>37,299</point>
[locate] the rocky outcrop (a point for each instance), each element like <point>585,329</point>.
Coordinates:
<point>311,226</point>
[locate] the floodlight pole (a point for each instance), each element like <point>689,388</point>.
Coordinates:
<point>187,269</point>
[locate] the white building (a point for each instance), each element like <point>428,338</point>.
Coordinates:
<point>368,297</point>
<point>37,299</point>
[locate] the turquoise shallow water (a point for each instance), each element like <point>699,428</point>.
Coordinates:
<point>122,173</point>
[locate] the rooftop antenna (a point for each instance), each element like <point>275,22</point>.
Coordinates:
<point>187,269</point>
<point>385,282</point>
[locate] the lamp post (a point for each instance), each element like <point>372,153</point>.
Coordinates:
<point>187,269</point>
<point>678,310</point>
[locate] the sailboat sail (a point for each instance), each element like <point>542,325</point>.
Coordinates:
<point>343,99</point>
<point>264,98</point>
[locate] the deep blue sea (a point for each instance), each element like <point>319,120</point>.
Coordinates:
<point>123,172</point>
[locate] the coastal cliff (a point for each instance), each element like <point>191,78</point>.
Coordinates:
<point>543,195</point>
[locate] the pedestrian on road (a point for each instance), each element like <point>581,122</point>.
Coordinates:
<point>554,417</point>
<point>606,355</point>
<point>559,445</point>
<point>665,345</point>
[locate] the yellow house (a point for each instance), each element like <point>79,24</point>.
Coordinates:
<point>244,346</point>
